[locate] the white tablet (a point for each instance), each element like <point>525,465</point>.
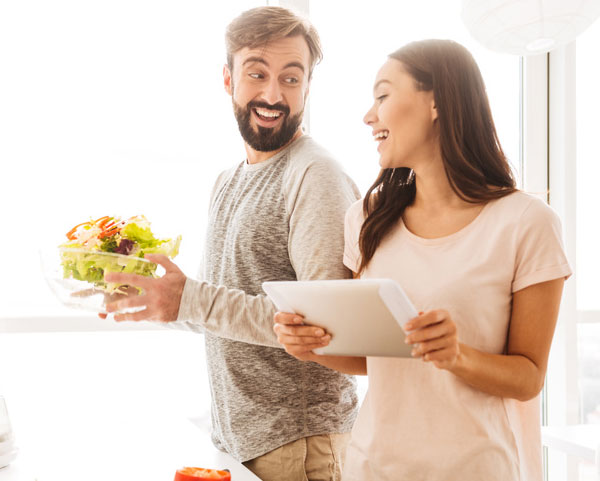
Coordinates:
<point>363,316</point>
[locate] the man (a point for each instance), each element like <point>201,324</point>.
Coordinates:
<point>276,216</point>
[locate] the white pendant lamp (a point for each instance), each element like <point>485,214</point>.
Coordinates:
<point>528,27</point>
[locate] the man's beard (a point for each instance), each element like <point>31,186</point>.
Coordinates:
<point>266,139</point>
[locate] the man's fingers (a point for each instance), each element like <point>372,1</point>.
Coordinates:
<point>127,303</point>
<point>129,279</point>
<point>133,316</point>
<point>163,261</point>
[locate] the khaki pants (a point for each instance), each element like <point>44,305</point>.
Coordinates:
<point>316,458</point>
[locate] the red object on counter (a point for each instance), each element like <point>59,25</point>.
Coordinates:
<point>201,474</point>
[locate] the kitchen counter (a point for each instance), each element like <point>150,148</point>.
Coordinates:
<point>103,449</point>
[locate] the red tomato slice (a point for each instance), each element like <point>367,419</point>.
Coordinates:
<point>201,474</point>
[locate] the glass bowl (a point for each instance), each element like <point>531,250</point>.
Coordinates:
<point>76,276</point>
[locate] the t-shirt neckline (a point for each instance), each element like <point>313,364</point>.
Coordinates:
<point>451,237</point>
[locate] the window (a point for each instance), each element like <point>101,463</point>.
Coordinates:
<point>587,232</point>
<point>356,44</point>
<point>115,108</point>
<point>573,377</point>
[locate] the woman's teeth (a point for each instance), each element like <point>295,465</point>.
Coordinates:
<point>381,135</point>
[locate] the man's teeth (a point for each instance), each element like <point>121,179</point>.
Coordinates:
<point>381,135</point>
<point>268,113</point>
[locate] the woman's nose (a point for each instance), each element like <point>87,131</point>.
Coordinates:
<point>370,116</point>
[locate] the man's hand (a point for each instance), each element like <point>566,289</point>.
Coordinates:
<point>160,297</point>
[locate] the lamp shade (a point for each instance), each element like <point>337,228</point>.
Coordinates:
<point>527,27</point>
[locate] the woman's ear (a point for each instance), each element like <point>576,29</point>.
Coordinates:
<point>434,112</point>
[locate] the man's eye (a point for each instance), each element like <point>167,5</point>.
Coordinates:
<point>255,75</point>
<point>291,80</point>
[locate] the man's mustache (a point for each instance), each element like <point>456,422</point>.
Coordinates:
<point>264,105</point>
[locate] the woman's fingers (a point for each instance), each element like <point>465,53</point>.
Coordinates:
<point>288,340</point>
<point>432,331</point>
<point>298,340</point>
<point>310,331</point>
<point>425,319</point>
<point>434,337</point>
<point>288,318</point>
<point>303,353</point>
<point>424,348</point>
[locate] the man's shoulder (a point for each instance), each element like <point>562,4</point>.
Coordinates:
<point>222,179</point>
<point>307,152</point>
<point>226,174</point>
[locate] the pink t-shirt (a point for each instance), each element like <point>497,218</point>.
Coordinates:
<point>418,422</point>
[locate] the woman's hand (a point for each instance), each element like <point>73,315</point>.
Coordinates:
<point>435,338</point>
<point>298,339</point>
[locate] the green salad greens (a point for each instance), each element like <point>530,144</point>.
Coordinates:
<point>109,244</point>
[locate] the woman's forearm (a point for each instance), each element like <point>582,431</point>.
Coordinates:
<point>345,364</point>
<point>512,376</point>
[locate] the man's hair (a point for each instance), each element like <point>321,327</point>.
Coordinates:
<point>259,26</point>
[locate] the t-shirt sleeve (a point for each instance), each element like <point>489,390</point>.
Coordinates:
<point>317,203</point>
<point>352,226</point>
<point>540,253</point>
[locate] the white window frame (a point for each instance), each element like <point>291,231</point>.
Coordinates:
<point>550,153</point>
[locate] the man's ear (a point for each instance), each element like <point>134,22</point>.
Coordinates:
<point>227,80</point>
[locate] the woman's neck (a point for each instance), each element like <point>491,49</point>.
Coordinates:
<point>433,190</point>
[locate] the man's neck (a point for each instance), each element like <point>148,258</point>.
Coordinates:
<point>255,156</point>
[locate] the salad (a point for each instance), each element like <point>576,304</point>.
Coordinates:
<point>109,244</point>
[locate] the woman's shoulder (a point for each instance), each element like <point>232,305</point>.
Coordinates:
<point>523,208</point>
<point>355,213</point>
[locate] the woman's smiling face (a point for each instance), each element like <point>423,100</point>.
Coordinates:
<point>402,118</point>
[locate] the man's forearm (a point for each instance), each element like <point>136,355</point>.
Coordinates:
<point>229,313</point>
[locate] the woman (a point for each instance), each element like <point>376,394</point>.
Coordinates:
<point>481,261</point>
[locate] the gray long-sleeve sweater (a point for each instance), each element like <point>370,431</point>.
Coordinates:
<point>281,219</point>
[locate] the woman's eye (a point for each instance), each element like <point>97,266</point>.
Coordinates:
<point>380,98</point>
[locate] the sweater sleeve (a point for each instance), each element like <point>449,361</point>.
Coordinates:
<point>226,313</point>
<point>317,194</point>
<point>318,200</point>
<point>222,311</point>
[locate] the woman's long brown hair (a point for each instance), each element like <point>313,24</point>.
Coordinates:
<point>474,162</point>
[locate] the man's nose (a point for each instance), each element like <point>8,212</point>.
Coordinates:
<point>272,92</point>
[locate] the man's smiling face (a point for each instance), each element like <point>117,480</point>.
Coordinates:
<point>269,86</point>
